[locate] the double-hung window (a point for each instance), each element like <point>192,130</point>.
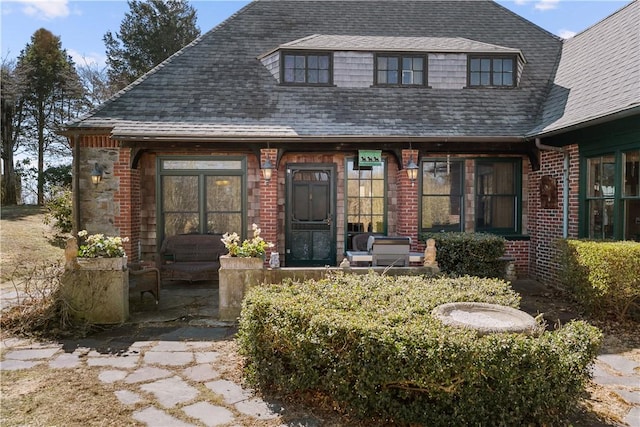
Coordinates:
<point>400,70</point>
<point>613,196</point>
<point>442,195</point>
<point>306,68</point>
<point>492,71</point>
<point>498,188</point>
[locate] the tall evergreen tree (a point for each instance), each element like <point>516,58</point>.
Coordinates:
<point>11,111</point>
<point>50,92</point>
<point>152,31</point>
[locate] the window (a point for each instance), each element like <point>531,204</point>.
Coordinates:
<point>201,196</point>
<point>492,71</point>
<point>366,209</point>
<point>442,195</point>
<point>306,68</point>
<point>403,70</point>
<point>498,196</point>
<point>613,211</point>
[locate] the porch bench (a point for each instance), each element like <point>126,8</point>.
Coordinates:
<point>191,257</point>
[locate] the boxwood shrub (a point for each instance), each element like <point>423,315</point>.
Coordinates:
<point>474,254</point>
<point>603,276</point>
<point>371,345</point>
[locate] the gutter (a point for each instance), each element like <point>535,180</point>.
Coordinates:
<point>565,183</point>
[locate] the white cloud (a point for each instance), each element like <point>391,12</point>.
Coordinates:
<point>93,59</point>
<point>520,2</point>
<point>547,4</point>
<point>566,34</point>
<point>46,9</point>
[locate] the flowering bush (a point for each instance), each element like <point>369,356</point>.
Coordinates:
<point>255,247</point>
<point>99,245</point>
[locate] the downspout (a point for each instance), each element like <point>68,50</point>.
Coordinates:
<point>76,183</point>
<point>565,183</point>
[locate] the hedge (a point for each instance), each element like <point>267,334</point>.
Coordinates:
<point>371,344</point>
<point>603,276</point>
<point>474,254</point>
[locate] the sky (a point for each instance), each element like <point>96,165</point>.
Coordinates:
<point>81,25</point>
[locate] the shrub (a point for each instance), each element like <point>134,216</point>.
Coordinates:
<point>603,276</point>
<point>59,210</point>
<point>371,344</point>
<point>475,254</point>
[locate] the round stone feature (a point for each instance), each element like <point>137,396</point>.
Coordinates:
<point>485,318</point>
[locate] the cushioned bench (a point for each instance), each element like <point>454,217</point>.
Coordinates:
<point>191,257</point>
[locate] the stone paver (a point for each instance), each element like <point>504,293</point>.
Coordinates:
<point>621,363</point>
<point>111,376</point>
<point>633,417</point>
<point>155,417</point>
<point>210,415</point>
<point>230,391</point>
<point>258,408</point>
<point>201,373</point>
<point>169,358</point>
<point>128,397</point>
<point>147,373</point>
<point>32,354</point>
<point>65,361</point>
<point>171,391</point>
<point>16,365</point>
<point>207,356</point>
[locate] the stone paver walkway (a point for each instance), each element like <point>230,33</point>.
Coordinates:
<point>156,377</point>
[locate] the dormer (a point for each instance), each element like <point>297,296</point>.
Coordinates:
<point>374,61</point>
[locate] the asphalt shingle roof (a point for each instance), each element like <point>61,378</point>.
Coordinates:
<point>598,74</point>
<point>218,85</point>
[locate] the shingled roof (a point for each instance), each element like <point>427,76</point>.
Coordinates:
<point>598,75</point>
<point>216,87</point>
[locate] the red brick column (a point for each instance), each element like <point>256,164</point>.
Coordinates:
<point>127,197</point>
<point>269,200</point>
<point>408,200</point>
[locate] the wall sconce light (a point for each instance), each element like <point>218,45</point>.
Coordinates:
<point>267,170</point>
<point>412,170</point>
<point>96,174</point>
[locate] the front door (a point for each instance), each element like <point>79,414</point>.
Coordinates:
<point>310,215</point>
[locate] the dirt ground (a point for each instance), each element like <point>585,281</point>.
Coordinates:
<point>68,397</point>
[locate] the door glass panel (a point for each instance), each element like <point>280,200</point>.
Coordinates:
<point>180,205</point>
<point>180,193</point>
<point>181,223</point>
<point>320,202</point>
<point>301,203</point>
<point>224,204</point>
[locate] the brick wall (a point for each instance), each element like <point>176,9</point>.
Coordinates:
<point>547,222</point>
<point>408,196</point>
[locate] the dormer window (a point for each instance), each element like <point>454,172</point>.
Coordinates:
<point>306,68</point>
<point>492,71</point>
<point>400,70</point>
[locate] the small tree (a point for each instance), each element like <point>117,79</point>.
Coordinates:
<point>151,32</point>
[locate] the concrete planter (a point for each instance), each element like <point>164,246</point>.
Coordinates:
<point>237,276</point>
<point>103,263</point>
<point>97,291</point>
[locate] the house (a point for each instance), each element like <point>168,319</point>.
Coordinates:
<point>323,120</point>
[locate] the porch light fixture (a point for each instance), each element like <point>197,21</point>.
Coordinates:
<point>267,170</point>
<point>412,170</point>
<point>96,174</point>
